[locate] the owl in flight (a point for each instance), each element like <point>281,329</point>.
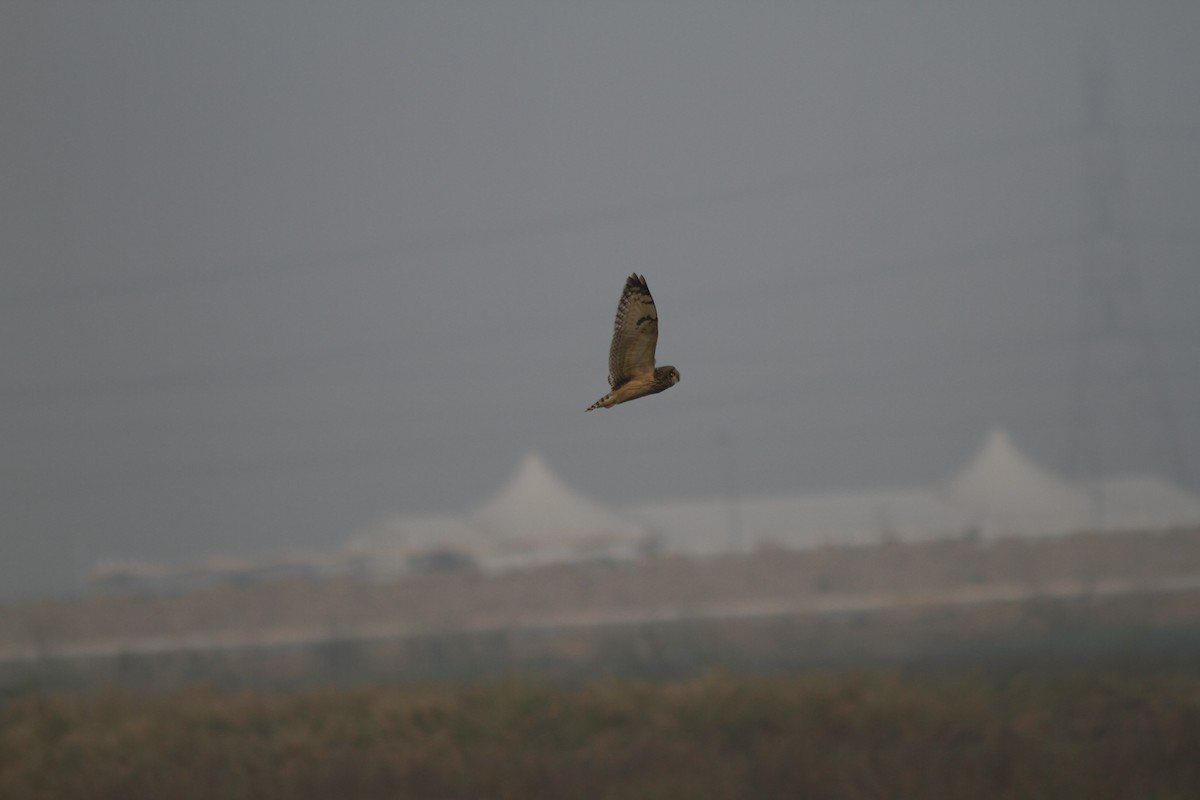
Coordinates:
<point>631,371</point>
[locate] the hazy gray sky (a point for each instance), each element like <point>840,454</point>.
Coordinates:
<point>272,271</point>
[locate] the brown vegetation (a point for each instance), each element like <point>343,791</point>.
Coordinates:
<point>879,734</point>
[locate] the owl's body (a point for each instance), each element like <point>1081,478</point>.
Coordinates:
<point>631,370</point>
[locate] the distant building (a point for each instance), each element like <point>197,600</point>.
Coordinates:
<point>1000,492</point>
<point>535,520</point>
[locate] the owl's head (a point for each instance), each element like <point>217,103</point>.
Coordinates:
<point>668,375</point>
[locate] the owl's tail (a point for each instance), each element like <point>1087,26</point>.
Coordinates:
<point>603,402</point>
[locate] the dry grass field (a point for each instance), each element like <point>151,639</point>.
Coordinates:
<point>1052,733</point>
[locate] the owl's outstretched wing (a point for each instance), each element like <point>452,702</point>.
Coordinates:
<point>635,333</point>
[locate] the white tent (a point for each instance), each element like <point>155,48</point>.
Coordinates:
<point>1142,501</point>
<point>536,506</point>
<point>533,519</point>
<point>536,519</point>
<point>1002,492</point>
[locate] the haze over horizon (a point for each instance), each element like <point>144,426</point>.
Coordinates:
<point>273,272</point>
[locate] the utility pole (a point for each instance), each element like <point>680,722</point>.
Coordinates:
<point>1119,401</point>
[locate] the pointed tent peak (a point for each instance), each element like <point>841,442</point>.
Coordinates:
<point>999,452</point>
<point>533,470</point>
<point>535,501</point>
<point>1002,479</point>
<point>999,465</point>
<point>532,480</point>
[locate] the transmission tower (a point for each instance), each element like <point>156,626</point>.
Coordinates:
<point>1120,411</point>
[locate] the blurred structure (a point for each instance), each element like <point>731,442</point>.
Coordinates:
<point>537,520</point>
<point>999,492</point>
<point>1119,399</point>
<point>534,520</point>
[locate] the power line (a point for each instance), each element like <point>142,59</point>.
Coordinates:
<point>268,369</point>
<point>240,372</point>
<point>796,182</point>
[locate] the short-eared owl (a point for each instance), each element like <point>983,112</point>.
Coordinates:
<point>631,372</point>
